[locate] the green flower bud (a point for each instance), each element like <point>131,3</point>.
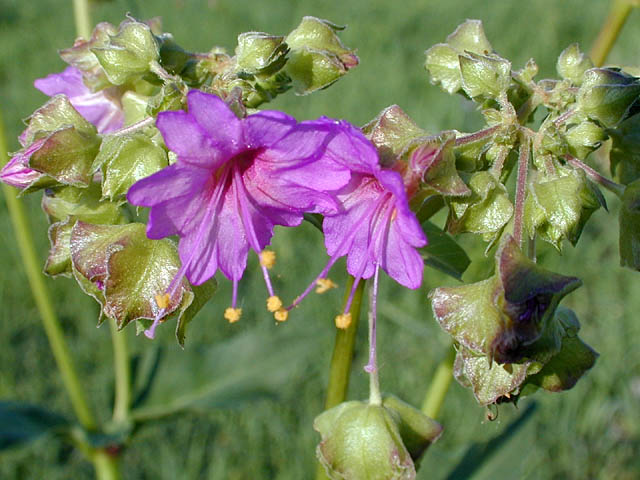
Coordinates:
<point>59,258</point>
<point>84,204</point>
<point>466,62</point>
<point>128,53</point>
<point>259,53</point>
<point>606,95</point>
<point>81,57</point>
<point>559,206</point>
<point>630,227</point>
<point>318,58</point>
<point>572,64</point>
<point>584,138</point>
<point>486,211</point>
<point>362,442</point>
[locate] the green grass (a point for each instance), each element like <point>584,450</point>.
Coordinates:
<point>592,431</point>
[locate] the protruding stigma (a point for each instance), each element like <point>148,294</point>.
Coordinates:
<point>343,321</point>
<point>274,303</point>
<point>267,258</point>
<point>325,284</point>
<point>232,315</point>
<point>281,315</point>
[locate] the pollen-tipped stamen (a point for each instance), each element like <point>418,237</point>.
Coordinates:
<point>343,321</point>
<point>232,314</point>
<point>274,303</point>
<point>281,315</point>
<point>324,285</point>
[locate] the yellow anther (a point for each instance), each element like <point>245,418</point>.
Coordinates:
<point>274,303</point>
<point>343,321</point>
<point>324,284</point>
<point>162,300</point>
<point>267,258</point>
<point>232,314</point>
<point>281,315</point>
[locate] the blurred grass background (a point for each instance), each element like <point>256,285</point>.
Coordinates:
<point>592,431</point>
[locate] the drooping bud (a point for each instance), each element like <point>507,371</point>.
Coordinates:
<point>606,95</point>
<point>572,64</point>
<point>558,206</point>
<point>128,53</point>
<point>584,138</point>
<point>362,442</point>
<point>484,76</point>
<point>317,58</point>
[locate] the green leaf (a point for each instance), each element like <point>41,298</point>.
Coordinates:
<point>20,423</point>
<point>625,150</point>
<point>564,370</point>
<point>126,159</point>
<point>201,295</point>
<point>443,253</point>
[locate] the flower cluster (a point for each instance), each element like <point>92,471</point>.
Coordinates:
<point>236,178</point>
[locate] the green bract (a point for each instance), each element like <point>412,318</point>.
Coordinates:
<point>625,150</point>
<point>259,53</point>
<point>630,227</point>
<point>317,58</point>
<point>559,205</point>
<point>373,442</point>
<point>128,53</point>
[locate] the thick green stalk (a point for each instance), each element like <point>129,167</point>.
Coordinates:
<point>340,369</point>
<point>82,16</point>
<point>32,266</point>
<point>122,401</point>
<point>439,385</point>
<point>342,357</point>
<point>106,464</point>
<point>618,14</point>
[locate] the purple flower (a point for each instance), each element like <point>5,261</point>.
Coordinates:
<point>17,172</point>
<point>235,179</point>
<point>102,108</point>
<point>376,228</point>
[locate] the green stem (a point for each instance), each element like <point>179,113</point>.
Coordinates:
<point>52,328</point>
<point>439,385</point>
<point>122,373</point>
<point>618,14</point>
<point>83,18</point>
<point>106,465</point>
<point>342,357</point>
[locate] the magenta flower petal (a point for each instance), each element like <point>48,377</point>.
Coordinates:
<point>184,136</point>
<point>102,108</point>
<point>216,119</point>
<point>377,228</point>
<point>266,128</point>
<point>17,172</point>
